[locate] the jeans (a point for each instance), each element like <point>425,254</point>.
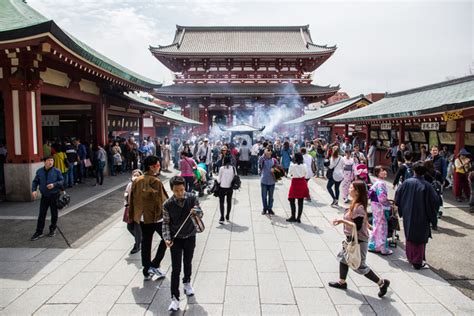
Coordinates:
<point>394,164</point>
<point>45,203</point>
<point>80,171</point>
<point>147,238</point>
<point>69,181</point>
<point>244,167</point>
<point>136,231</point>
<point>336,184</point>
<point>267,191</point>
<point>189,182</point>
<point>111,167</point>
<point>254,164</point>
<point>99,175</point>
<point>223,194</point>
<point>182,250</point>
<point>320,166</point>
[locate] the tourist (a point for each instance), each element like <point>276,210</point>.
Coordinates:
<point>82,155</point>
<point>204,155</point>
<point>310,167</point>
<point>381,207</point>
<point>158,152</point>
<point>60,160</point>
<point>423,153</point>
<point>359,157</point>
<point>166,151</point>
<point>371,156</point>
<point>462,165</point>
<point>405,171</point>
<point>133,154</point>
<point>435,178</point>
<point>146,208</point>
<point>179,233</point>
<point>348,173</point>
<point>50,182</point>
<point>417,203</point>
<point>286,156</point>
<point>72,159</point>
<point>117,154</point>
<point>335,175</point>
<point>132,226</point>
<point>254,157</point>
<point>401,154</point>
<point>438,161</point>
<point>100,159</point>
<point>298,188</point>
<point>392,154</point>
<point>187,166</point>
<point>225,178</point>
<point>267,181</point>
<point>244,158</point>
<point>356,215</point>
<point>320,156</point>
<point>346,145</point>
<point>110,157</point>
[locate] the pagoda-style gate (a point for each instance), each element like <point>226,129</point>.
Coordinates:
<point>231,73</point>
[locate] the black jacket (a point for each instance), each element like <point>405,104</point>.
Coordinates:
<point>175,213</point>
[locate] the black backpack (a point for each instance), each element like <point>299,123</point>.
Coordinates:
<point>236,182</point>
<point>408,171</point>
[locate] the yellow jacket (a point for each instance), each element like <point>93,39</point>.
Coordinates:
<point>60,161</point>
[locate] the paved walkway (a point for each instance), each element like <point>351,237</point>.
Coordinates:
<point>256,265</point>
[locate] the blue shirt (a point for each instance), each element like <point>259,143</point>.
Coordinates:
<point>44,177</point>
<point>266,165</point>
<point>82,151</point>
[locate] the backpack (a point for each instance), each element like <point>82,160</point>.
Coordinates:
<point>408,171</point>
<point>236,182</point>
<point>437,186</point>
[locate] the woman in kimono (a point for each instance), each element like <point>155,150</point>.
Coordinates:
<point>380,206</point>
<point>349,165</point>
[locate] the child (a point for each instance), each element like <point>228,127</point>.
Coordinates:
<point>179,233</point>
<point>132,227</point>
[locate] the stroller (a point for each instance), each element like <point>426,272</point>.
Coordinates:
<point>393,222</point>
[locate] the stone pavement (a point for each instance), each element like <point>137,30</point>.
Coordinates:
<point>255,266</point>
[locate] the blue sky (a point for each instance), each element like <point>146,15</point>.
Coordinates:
<point>382,45</point>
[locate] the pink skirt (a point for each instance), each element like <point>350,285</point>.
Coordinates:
<point>298,189</point>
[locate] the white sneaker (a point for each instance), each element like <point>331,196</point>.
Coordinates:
<point>174,306</point>
<point>156,271</point>
<point>188,289</point>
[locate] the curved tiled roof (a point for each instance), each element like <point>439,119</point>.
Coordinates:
<point>434,98</point>
<point>18,20</point>
<point>243,40</point>
<point>243,89</point>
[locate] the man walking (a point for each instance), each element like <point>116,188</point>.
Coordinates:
<point>205,155</point>
<point>146,208</point>
<point>417,203</point>
<point>179,233</point>
<point>50,181</point>
<point>267,180</point>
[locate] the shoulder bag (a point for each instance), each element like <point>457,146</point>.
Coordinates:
<point>351,250</point>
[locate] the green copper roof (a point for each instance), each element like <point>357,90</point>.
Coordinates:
<point>19,20</point>
<point>325,111</point>
<point>440,97</point>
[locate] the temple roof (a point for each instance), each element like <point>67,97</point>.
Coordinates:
<point>244,89</point>
<point>436,98</point>
<point>327,110</point>
<point>19,21</point>
<point>169,115</point>
<point>242,40</point>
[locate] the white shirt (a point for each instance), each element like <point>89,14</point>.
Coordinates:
<point>338,166</point>
<point>308,161</point>
<point>254,151</point>
<point>297,171</point>
<point>225,177</point>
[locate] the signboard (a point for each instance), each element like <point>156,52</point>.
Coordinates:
<point>50,120</point>
<point>418,137</point>
<point>374,135</point>
<point>469,139</point>
<point>447,138</point>
<point>430,126</point>
<point>324,129</point>
<point>358,128</point>
<point>386,126</point>
<point>452,116</point>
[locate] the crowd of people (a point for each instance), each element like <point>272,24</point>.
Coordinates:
<point>370,218</point>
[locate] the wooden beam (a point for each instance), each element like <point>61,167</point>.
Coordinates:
<point>68,93</point>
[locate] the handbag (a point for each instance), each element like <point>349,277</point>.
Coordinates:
<point>87,163</point>
<point>63,200</point>
<point>330,171</point>
<point>351,250</point>
<point>236,182</point>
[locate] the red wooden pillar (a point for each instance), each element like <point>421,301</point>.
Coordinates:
<point>346,130</point>
<point>402,133</point>
<point>367,139</point>
<point>460,132</point>
<point>100,124</point>
<point>23,124</point>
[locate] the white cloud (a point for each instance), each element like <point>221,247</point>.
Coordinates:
<point>382,45</point>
